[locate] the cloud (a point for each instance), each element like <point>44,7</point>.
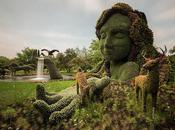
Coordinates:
<point>164,33</point>
<point>59,35</point>
<point>86,5</point>
<point>166,16</point>
<point>55,40</point>
<point>65,24</point>
<point>164,36</point>
<point>10,44</point>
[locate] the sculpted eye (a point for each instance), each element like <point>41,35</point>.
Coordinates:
<point>119,35</point>
<point>103,35</point>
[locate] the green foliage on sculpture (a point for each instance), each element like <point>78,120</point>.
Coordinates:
<point>14,67</point>
<point>66,112</point>
<point>47,109</point>
<point>55,107</point>
<point>64,103</point>
<point>53,71</point>
<point>130,36</point>
<point>172,68</point>
<point>138,23</point>
<point>96,86</point>
<point>123,37</point>
<point>49,98</point>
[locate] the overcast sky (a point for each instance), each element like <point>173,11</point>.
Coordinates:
<point>61,24</point>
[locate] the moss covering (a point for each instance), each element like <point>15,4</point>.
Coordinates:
<point>47,109</point>
<point>66,112</point>
<point>49,98</point>
<point>97,86</point>
<point>140,34</point>
<point>53,71</point>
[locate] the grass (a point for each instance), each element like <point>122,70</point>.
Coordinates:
<point>17,92</point>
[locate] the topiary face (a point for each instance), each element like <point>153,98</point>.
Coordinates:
<point>139,32</point>
<point>115,43</point>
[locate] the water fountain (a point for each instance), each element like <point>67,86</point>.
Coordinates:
<point>40,69</point>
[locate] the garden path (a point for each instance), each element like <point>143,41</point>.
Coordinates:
<point>68,91</point>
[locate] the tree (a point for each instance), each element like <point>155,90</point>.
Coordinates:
<point>63,60</point>
<point>80,62</point>
<point>171,51</point>
<point>69,55</point>
<point>94,53</point>
<point>27,56</point>
<point>60,60</point>
<point>4,61</point>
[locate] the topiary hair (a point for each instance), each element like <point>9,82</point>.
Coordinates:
<point>139,32</point>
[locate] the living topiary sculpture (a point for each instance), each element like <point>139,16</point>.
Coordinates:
<point>123,34</point>
<point>56,107</point>
<point>49,98</point>
<point>53,71</point>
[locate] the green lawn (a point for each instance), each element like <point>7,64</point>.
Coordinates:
<point>17,92</point>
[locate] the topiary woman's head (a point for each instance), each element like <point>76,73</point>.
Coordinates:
<point>123,32</point>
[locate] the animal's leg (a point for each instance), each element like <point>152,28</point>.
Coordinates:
<point>154,101</point>
<point>83,97</point>
<point>77,88</point>
<point>144,99</point>
<point>137,93</point>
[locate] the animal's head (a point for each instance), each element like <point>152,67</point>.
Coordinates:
<point>151,63</point>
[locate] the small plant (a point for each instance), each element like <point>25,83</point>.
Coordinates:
<point>8,115</point>
<point>87,117</point>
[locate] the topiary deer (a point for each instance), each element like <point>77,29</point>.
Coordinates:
<point>81,82</point>
<point>149,83</point>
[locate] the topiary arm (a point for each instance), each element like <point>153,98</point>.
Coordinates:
<point>97,85</point>
<point>66,112</point>
<point>41,94</point>
<point>47,109</point>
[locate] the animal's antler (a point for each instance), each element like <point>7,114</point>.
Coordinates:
<point>42,54</point>
<point>143,53</point>
<point>163,51</point>
<point>52,51</point>
<point>45,50</point>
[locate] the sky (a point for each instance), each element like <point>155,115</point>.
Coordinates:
<point>62,24</point>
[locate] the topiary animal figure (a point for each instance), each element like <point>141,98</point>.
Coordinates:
<point>149,83</point>
<point>50,52</point>
<point>47,109</point>
<point>55,109</point>
<point>81,83</point>
<point>49,98</point>
<point>53,71</point>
